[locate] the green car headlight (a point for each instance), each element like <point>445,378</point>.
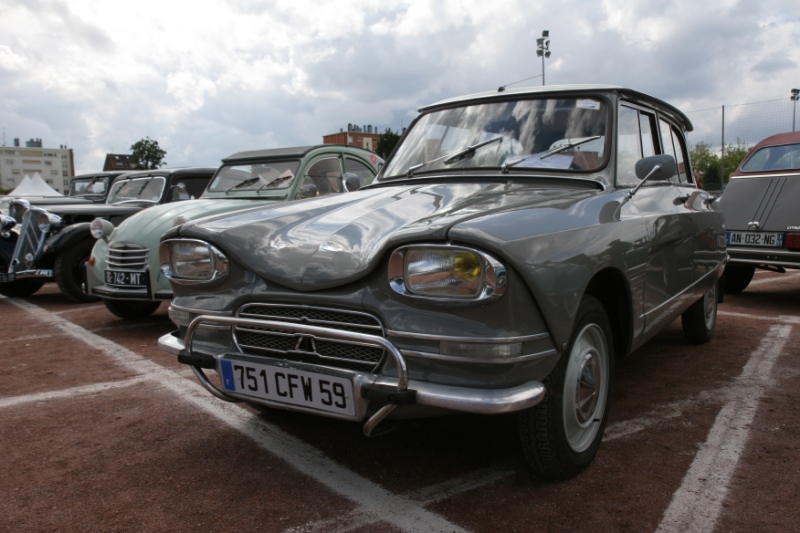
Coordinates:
<point>451,272</point>
<point>192,261</point>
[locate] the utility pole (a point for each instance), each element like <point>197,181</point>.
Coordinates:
<point>543,49</point>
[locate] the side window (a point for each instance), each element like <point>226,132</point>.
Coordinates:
<point>355,169</point>
<point>674,146</point>
<point>636,140</point>
<point>323,178</point>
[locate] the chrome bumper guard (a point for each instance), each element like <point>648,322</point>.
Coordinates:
<point>399,389</point>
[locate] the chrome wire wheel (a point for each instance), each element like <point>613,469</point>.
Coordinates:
<point>586,384</point>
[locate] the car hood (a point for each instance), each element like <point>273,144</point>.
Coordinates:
<point>328,242</point>
<point>769,200</point>
<point>153,222</point>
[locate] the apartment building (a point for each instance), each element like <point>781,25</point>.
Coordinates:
<point>365,137</point>
<point>56,166</point>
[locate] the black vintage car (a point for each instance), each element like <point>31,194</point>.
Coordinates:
<point>761,211</point>
<point>38,245</point>
<point>513,246</point>
<point>83,189</point>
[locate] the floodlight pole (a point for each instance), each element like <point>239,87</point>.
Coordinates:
<point>795,96</point>
<point>543,49</point>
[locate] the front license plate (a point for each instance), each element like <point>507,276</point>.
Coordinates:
<point>289,386</point>
<point>127,279</point>
<point>7,278</point>
<point>755,238</point>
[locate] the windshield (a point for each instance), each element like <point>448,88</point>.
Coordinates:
<point>558,134</point>
<point>148,189</point>
<point>770,158</point>
<point>83,186</point>
<point>255,177</point>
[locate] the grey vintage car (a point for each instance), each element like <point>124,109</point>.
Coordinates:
<point>514,244</point>
<point>761,211</point>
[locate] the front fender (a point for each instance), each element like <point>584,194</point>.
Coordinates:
<point>67,238</point>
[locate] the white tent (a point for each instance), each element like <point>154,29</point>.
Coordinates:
<point>35,186</point>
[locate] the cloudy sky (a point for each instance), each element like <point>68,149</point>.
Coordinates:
<point>207,79</point>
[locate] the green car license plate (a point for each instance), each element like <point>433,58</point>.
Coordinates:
<point>126,279</point>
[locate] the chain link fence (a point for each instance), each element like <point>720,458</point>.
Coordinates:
<point>740,125</point>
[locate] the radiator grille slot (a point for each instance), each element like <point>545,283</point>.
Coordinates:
<point>330,352</point>
<point>123,256</point>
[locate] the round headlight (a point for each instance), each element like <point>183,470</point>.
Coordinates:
<point>100,228</point>
<point>48,221</point>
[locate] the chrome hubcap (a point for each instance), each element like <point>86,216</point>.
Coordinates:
<point>586,387</point>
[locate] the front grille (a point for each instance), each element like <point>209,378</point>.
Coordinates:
<point>30,242</point>
<point>123,256</point>
<point>335,353</point>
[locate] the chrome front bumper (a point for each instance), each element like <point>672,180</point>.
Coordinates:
<point>453,398</point>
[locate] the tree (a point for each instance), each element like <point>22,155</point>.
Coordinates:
<point>702,158</point>
<point>147,155</point>
<point>387,142</point>
<point>733,156</point>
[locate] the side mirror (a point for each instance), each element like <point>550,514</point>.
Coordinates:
<point>308,190</point>
<point>656,167</point>
<point>351,182</point>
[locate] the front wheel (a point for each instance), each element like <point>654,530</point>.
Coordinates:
<point>700,319</point>
<point>561,435</point>
<point>130,309</point>
<point>70,271</point>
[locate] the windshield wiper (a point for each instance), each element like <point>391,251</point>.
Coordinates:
<point>243,184</point>
<point>273,182</point>
<point>454,157</point>
<point>548,153</point>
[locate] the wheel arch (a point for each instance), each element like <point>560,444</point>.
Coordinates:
<point>611,289</point>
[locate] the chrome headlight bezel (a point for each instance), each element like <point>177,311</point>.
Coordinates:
<point>101,228</point>
<point>446,273</point>
<point>48,221</point>
<point>201,262</point>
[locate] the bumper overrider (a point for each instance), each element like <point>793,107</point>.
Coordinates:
<point>331,392</point>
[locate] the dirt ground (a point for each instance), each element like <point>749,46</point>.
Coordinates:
<point>102,431</point>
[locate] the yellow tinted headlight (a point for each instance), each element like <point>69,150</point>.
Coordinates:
<point>450,272</point>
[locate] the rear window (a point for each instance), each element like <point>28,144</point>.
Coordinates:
<point>771,158</point>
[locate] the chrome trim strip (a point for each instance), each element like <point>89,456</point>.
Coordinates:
<point>494,360</point>
<point>200,311</point>
<point>38,273</point>
<point>478,340</point>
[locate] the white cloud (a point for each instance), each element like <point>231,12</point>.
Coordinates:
<point>210,78</point>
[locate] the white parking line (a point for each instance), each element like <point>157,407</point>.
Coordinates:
<point>697,503</point>
<point>71,393</point>
<point>771,279</point>
<point>372,500</point>
<point>784,319</point>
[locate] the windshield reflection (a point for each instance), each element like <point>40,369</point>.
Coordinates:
<point>493,134</point>
<point>256,176</point>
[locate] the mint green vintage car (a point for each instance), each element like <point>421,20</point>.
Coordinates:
<point>123,268</point>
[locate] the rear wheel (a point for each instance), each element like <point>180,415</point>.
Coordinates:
<point>561,435</point>
<point>738,277</point>
<point>20,288</point>
<point>70,272</point>
<point>700,319</point>
<point>130,309</point>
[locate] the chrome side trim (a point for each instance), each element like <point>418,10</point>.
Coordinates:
<point>496,360</point>
<point>198,312</point>
<point>479,340</point>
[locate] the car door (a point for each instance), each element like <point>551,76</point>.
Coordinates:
<point>670,227</point>
<point>708,247</point>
